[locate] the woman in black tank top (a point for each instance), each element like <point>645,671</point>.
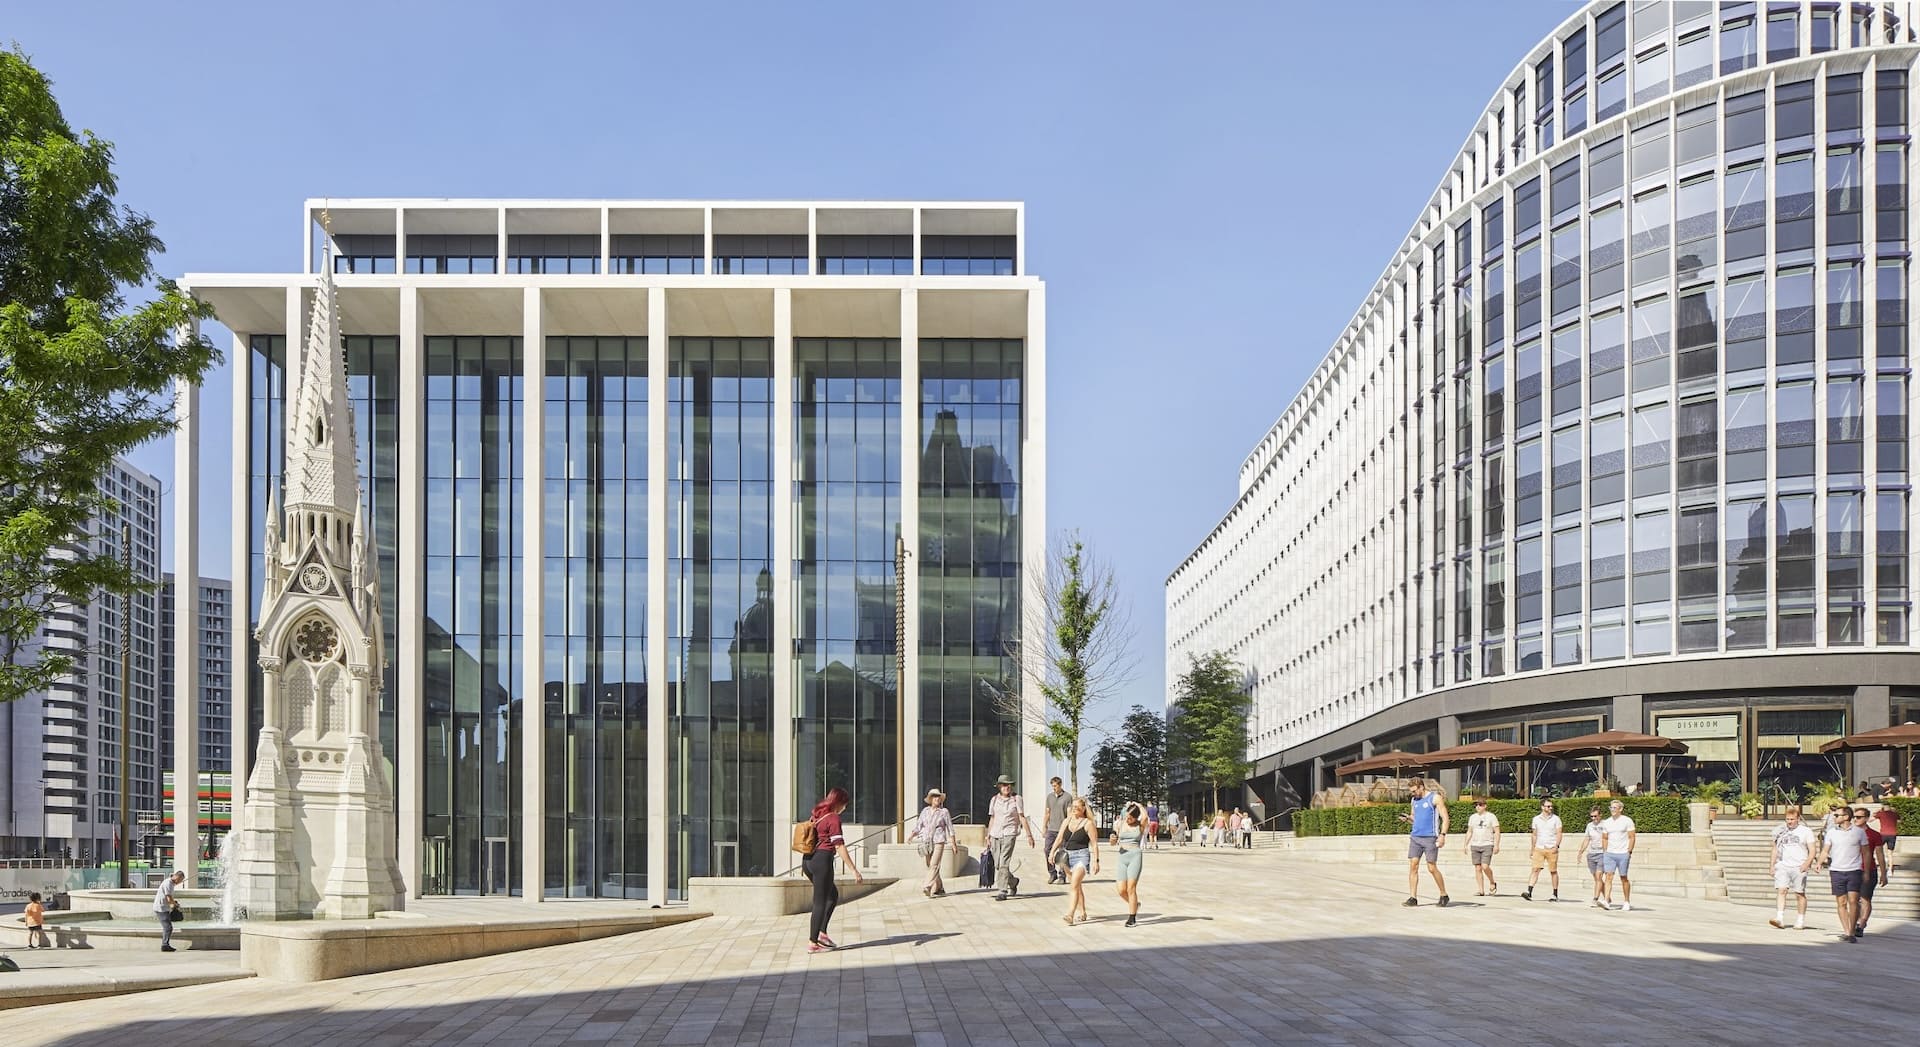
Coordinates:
<point>1078,848</point>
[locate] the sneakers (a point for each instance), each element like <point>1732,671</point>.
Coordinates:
<point>1442,903</point>
<point>1410,903</point>
<point>1013,885</point>
<point>1598,904</point>
<point>1527,895</point>
<point>1849,939</point>
<point>1799,925</point>
<point>1860,931</point>
<point>1555,898</point>
<point>1626,906</point>
<point>1001,897</point>
<point>1131,920</point>
<point>167,948</point>
<point>1780,923</point>
<point>1495,889</point>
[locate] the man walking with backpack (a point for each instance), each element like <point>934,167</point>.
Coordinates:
<point>1006,818</point>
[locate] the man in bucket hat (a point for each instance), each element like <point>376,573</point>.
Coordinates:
<point>1006,819</point>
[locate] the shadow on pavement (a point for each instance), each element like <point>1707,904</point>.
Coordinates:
<point>1361,988</point>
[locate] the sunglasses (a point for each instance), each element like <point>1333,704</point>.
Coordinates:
<point>1859,817</point>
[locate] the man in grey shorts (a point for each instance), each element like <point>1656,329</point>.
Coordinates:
<point>1483,842</point>
<point>1428,834</point>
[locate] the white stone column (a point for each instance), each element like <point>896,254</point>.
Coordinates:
<point>1033,517</point>
<point>410,578</point>
<point>186,620</point>
<point>909,452</point>
<point>240,631</point>
<point>783,726</point>
<point>533,769</point>
<point>659,821</point>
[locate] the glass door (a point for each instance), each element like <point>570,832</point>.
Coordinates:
<point>495,865</point>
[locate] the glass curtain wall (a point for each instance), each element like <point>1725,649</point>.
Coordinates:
<point>970,568</point>
<point>266,461</point>
<point>594,544</point>
<point>720,609</point>
<point>472,628</point>
<point>846,415</point>
<point>373,387</point>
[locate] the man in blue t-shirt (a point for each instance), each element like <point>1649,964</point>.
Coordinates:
<point>1428,835</point>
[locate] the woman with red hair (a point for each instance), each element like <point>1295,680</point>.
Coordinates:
<point>830,841</point>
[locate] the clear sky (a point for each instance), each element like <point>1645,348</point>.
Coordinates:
<point>1211,190</point>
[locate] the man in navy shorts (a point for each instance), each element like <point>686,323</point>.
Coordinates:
<point>1841,850</point>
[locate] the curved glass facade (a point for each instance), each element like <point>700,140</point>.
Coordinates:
<point>1636,389</point>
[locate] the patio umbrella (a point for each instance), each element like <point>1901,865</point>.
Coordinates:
<point>1611,743</point>
<point>1391,760</point>
<point>1904,736</point>
<point>1482,752</point>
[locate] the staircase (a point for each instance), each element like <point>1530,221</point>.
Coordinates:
<point>1746,856</point>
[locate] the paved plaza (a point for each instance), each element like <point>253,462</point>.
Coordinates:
<point>1233,948</point>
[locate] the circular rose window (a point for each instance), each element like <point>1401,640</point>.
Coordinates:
<point>315,640</point>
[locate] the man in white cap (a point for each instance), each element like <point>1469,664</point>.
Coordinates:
<point>1006,818</point>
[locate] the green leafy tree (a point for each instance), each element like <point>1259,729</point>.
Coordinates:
<point>1133,764</point>
<point>1208,730</point>
<point>84,377</point>
<point>1073,606</point>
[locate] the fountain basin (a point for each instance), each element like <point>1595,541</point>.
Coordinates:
<point>100,929</point>
<point>136,903</point>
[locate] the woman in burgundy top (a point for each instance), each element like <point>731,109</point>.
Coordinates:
<point>830,842</point>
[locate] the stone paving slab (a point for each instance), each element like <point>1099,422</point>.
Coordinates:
<point>1234,948</point>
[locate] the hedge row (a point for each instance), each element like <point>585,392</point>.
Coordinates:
<point>1650,814</point>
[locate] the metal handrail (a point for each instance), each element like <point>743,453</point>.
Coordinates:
<point>902,823</point>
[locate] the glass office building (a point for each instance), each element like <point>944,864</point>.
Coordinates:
<point>1621,438</point>
<point>683,513</point>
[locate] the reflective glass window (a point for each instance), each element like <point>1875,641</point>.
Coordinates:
<point>1843,196</point>
<point>1746,583</point>
<point>1606,257</point>
<point>1610,95</point>
<point>1746,312</point>
<point>1528,463</point>
<point>1746,120</point>
<point>1697,335</point>
<point>1699,446</point>
<point>1890,312</point>
<point>1565,189</point>
<point>1843,103</point>
<point>1651,151</point>
<point>1793,323</point>
<point>1697,582</point>
<point>1604,169</point>
<point>1825,28</point>
<point>1606,462</point>
<point>1890,196</point>
<point>1845,428</point>
<point>1739,47</point>
<point>1693,60</point>
<point>1566,271</point>
<point>1568,456</point>
<point>1793,114</point>
<point>1744,201</point>
<point>1652,456</point>
<point>1793,204</point>
<point>1567,368</point>
<point>1746,437</point>
<point>1890,101</point>
<point>1609,35</point>
<point>1492,228</point>
<point>1793,427</point>
<point>1649,22</point>
<point>1694,131</point>
<point>1493,402</point>
<point>1890,429</point>
<point>1696,229</point>
<point>1607,359</point>
<point>1526,398</point>
<point>1845,312</point>
<point>1529,569</point>
<point>1526,210</point>
<point>1650,74</point>
<point>1845,548</point>
<point>1526,291</point>
<point>1652,229</point>
<point>1783,34</point>
<point>1574,58</point>
<point>1890,570</point>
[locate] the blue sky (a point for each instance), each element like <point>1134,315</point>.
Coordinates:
<point>1211,190</point>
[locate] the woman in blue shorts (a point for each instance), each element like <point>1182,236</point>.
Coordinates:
<point>1130,836</point>
<point>1079,842</point>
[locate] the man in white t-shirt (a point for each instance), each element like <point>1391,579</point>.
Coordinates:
<point>1840,848</point>
<point>1483,842</point>
<point>1792,857</point>
<point>1619,835</point>
<point>1544,850</point>
<point>1592,845</point>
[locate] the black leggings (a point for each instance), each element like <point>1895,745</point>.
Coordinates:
<point>826,893</point>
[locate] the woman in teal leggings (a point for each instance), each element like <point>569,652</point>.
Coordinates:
<point>1130,836</point>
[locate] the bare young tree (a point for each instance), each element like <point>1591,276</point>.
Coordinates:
<point>1081,650</point>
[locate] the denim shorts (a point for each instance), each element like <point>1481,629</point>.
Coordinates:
<point>1615,864</point>
<point>1079,859</point>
